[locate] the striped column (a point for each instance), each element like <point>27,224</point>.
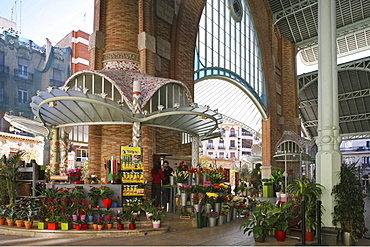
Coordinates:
<point>63,149</point>
<point>136,127</point>
<point>54,151</point>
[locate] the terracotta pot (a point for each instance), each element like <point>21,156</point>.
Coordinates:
<point>28,224</point>
<point>19,224</point>
<point>10,223</point>
<point>109,226</point>
<point>95,226</point>
<point>310,236</point>
<point>100,227</point>
<point>2,221</point>
<point>280,236</point>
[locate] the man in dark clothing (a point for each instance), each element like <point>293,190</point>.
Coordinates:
<point>167,170</point>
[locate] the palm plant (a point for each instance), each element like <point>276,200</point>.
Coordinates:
<point>9,173</point>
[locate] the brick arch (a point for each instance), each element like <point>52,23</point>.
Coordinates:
<point>184,34</point>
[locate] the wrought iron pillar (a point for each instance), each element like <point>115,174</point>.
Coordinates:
<point>136,127</point>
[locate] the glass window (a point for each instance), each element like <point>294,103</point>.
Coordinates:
<point>232,132</point>
<point>230,45</point>
<point>22,96</point>
<point>246,143</point>
<point>232,155</point>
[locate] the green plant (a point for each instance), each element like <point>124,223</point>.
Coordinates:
<point>9,172</point>
<point>258,221</point>
<point>3,211</point>
<point>157,215</point>
<point>277,178</point>
<point>308,192</point>
<point>280,214</point>
<point>11,214</point>
<point>349,201</point>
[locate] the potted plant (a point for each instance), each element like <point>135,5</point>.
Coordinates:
<point>31,213</point>
<point>257,223</point>
<point>278,219</point>
<point>9,173</point>
<point>106,195</point>
<point>302,190</point>
<point>131,219</point>
<point>277,178</point>
<point>3,210</point>
<point>93,195</point>
<point>65,222</point>
<point>156,218</point>
<point>11,215</point>
<point>119,217</point>
<point>349,205</point>
<point>212,218</point>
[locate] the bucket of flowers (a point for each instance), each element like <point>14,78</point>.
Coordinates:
<point>212,218</point>
<point>74,175</point>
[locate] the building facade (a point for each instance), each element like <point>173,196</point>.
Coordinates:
<point>25,68</point>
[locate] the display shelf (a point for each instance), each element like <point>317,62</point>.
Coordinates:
<point>28,178</point>
<point>133,194</point>
<point>132,182</point>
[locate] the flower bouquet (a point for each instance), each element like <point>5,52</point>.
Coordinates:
<point>213,214</point>
<point>184,188</point>
<point>211,197</point>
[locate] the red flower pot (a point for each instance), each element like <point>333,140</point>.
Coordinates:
<point>132,226</point>
<point>78,227</point>
<point>107,203</point>
<point>120,227</point>
<point>85,226</point>
<point>52,226</point>
<point>280,236</point>
<point>309,236</point>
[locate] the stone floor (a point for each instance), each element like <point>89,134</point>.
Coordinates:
<point>229,234</point>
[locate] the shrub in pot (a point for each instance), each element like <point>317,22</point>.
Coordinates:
<point>303,190</point>
<point>257,223</point>
<point>349,201</point>
<point>279,217</point>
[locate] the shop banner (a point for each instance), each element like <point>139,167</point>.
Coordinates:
<point>128,151</point>
<point>227,175</point>
<point>236,178</point>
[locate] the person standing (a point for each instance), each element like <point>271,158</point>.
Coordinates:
<point>157,177</point>
<point>168,171</point>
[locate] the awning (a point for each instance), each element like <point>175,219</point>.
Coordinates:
<point>27,125</point>
<point>63,108</point>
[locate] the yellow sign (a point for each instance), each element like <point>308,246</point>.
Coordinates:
<point>128,151</point>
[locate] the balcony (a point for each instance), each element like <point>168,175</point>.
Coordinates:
<point>355,149</point>
<point>221,147</point>
<point>22,75</point>
<point>232,135</point>
<point>4,70</point>
<point>210,146</point>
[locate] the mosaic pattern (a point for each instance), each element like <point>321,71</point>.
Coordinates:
<point>121,65</point>
<point>123,80</point>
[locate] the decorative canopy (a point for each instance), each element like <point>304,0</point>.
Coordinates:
<point>75,105</point>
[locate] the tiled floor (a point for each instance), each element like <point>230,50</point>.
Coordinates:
<point>227,235</point>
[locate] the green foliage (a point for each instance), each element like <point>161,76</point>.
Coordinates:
<point>349,201</point>
<point>157,215</point>
<point>9,172</point>
<point>258,222</point>
<point>280,214</point>
<point>302,190</point>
